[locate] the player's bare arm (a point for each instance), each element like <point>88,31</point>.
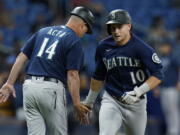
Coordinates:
<point>8,87</point>
<point>153,82</point>
<point>96,85</point>
<point>73,85</point>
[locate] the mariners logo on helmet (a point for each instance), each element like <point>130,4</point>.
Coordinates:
<point>118,16</point>
<point>112,17</point>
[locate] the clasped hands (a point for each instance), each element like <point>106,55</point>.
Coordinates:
<point>83,113</point>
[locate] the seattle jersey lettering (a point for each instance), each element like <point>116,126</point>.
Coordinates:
<point>121,62</point>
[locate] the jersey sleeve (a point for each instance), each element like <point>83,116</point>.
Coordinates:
<point>150,59</point>
<point>27,49</point>
<point>100,70</point>
<point>75,57</point>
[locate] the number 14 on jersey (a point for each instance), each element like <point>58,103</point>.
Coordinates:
<point>50,50</point>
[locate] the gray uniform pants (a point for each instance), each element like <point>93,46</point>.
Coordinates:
<point>114,113</point>
<point>45,107</point>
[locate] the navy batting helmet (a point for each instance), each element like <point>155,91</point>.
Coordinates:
<point>118,16</point>
<point>86,15</point>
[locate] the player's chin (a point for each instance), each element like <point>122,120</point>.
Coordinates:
<point>118,39</point>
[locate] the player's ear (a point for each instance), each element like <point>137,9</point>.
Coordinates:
<point>84,28</point>
<point>129,26</point>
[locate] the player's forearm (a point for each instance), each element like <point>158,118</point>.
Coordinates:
<point>74,85</point>
<point>96,85</point>
<point>153,82</point>
<point>17,67</point>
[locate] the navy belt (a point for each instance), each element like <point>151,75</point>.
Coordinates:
<point>44,78</point>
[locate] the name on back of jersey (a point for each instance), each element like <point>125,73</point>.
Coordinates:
<point>55,32</point>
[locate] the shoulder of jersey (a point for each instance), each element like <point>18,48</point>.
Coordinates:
<point>106,41</point>
<point>46,28</point>
<point>139,42</point>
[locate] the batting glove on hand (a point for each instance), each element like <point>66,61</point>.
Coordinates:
<point>130,98</point>
<point>137,91</point>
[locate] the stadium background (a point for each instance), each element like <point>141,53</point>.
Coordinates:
<point>156,21</point>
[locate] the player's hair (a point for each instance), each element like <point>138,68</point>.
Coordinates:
<point>76,19</point>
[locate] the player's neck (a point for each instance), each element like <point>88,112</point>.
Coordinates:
<point>73,27</point>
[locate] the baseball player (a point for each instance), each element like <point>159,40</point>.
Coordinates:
<point>128,68</point>
<point>55,57</point>
<point>170,88</point>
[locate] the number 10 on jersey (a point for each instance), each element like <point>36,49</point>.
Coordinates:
<point>137,76</point>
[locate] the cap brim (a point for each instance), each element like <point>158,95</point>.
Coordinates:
<point>115,22</point>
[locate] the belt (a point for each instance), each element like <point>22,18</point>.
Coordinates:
<point>120,97</point>
<point>43,78</point>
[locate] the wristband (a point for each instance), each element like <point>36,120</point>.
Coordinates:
<point>144,88</point>
<point>91,97</point>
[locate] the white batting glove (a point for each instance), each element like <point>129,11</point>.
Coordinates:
<point>130,98</point>
<point>90,99</point>
<point>88,104</point>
